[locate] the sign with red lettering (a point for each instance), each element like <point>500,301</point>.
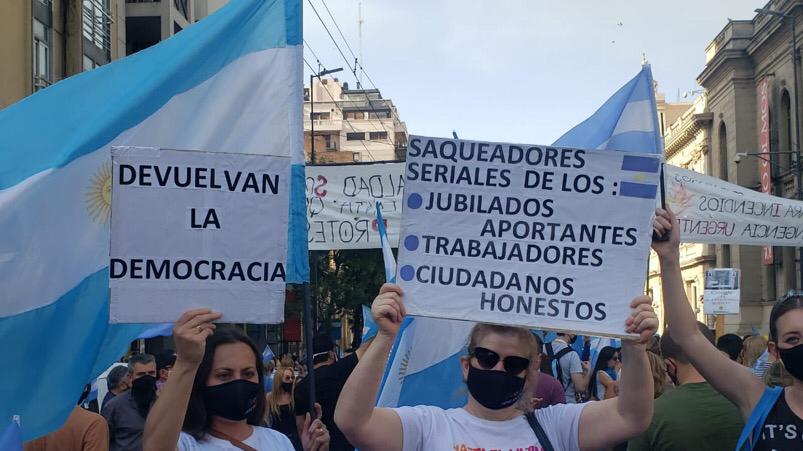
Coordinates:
<point>764,151</point>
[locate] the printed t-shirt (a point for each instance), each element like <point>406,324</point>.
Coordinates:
<point>432,428</point>
<point>783,430</point>
<point>260,439</point>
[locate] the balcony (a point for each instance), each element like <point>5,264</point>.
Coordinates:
<point>324,125</point>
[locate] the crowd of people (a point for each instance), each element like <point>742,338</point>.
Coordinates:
<point>683,390</point>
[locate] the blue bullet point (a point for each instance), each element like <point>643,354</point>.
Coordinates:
<point>411,242</point>
<point>414,201</point>
<point>407,272</point>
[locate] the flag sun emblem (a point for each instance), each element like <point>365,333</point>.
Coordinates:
<point>99,195</point>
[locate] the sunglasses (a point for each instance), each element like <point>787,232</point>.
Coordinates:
<point>488,359</point>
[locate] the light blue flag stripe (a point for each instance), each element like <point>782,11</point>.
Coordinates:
<point>627,121</point>
<point>104,104</point>
<point>11,438</point>
<point>369,328</point>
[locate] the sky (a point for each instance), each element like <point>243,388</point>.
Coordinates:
<point>514,70</point>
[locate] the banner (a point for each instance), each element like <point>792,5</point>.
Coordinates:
<point>713,211</point>
<point>197,229</point>
<point>341,204</point>
<point>721,294</point>
<point>526,235</point>
<point>764,151</point>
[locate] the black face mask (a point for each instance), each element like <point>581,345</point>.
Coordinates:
<point>792,359</point>
<point>143,390</point>
<point>494,389</point>
<point>233,400</point>
<point>287,386</point>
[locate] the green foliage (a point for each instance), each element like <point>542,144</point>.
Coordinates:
<point>345,280</point>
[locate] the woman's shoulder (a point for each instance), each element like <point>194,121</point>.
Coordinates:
<point>260,438</point>
<point>262,433</point>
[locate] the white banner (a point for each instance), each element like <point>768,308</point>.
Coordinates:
<point>721,294</point>
<point>341,211</point>
<point>713,211</point>
<point>536,236</point>
<point>197,229</point>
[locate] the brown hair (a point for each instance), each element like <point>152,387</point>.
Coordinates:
<point>670,349</point>
<point>659,373</point>
<point>793,300</point>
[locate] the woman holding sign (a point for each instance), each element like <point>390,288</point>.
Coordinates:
<point>774,417</point>
<point>497,374</point>
<point>214,399</point>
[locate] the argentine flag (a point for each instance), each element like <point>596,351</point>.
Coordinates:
<point>232,82</point>
<point>424,365</point>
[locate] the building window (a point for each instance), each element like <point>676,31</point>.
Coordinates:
<point>784,133</point>
<point>41,56</point>
<point>97,21</point>
<point>355,136</point>
<point>321,116</point>
<point>379,115</point>
<point>181,6</point>
<point>331,142</point>
<point>378,135</point>
<point>89,63</point>
<point>355,114</point>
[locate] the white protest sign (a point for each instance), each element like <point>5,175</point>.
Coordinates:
<point>713,211</point>
<point>721,294</point>
<point>536,236</point>
<point>341,211</point>
<point>197,229</point>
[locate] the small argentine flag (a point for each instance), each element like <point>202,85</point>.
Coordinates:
<point>639,166</point>
<point>267,354</point>
<point>387,253</point>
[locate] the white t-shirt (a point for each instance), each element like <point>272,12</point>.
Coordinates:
<point>432,428</point>
<point>261,438</point>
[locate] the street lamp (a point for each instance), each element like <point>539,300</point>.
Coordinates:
<point>796,148</point>
<point>314,260</point>
<point>312,78</point>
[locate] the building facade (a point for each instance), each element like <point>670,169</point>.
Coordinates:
<point>686,130</point>
<point>45,41</point>
<point>352,125</point>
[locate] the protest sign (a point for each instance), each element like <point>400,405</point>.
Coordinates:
<point>197,229</point>
<point>713,211</point>
<point>537,236</point>
<point>341,212</point>
<point>721,294</point>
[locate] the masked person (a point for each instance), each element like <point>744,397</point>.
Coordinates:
<point>280,411</point>
<point>127,411</point>
<point>782,428</point>
<point>214,398</point>
<point>498,371</point>
<point>117,381</point>
<point>567,367</point>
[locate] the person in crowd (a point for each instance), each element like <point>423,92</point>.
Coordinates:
<point>214,398</point>
<point>117,381</point>
<point>280,412</point>
<point>83,430</point>
<point>164,363</point>
<point>548,391</point>
<point>330,376</point>
<point>783,426</point>
<point>270,369</point>
<point>660,378</point>
<point>694,415</point>
<point>603,383</point>
<point>568,367</point>
<point>498,368</point>
<point>731,345</point>
<point>127,411</point>
<point>755,355</point>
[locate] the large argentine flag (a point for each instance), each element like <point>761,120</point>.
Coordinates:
<point>232,82</point>
<point>424,366</point>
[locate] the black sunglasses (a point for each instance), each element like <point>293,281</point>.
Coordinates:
<point>488,359</point>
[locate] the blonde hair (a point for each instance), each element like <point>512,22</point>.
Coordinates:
<point>278,390</point>
<point>752,349</point>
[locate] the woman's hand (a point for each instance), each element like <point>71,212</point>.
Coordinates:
<point>642,320</point>
<point>666,223</point>
<point>388,309</point>
<point>190,333</point>
<point>315,436</point>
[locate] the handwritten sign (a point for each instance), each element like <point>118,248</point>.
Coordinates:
<point>341,212</point>
<point>197,229</point>
<point>537,236</point>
